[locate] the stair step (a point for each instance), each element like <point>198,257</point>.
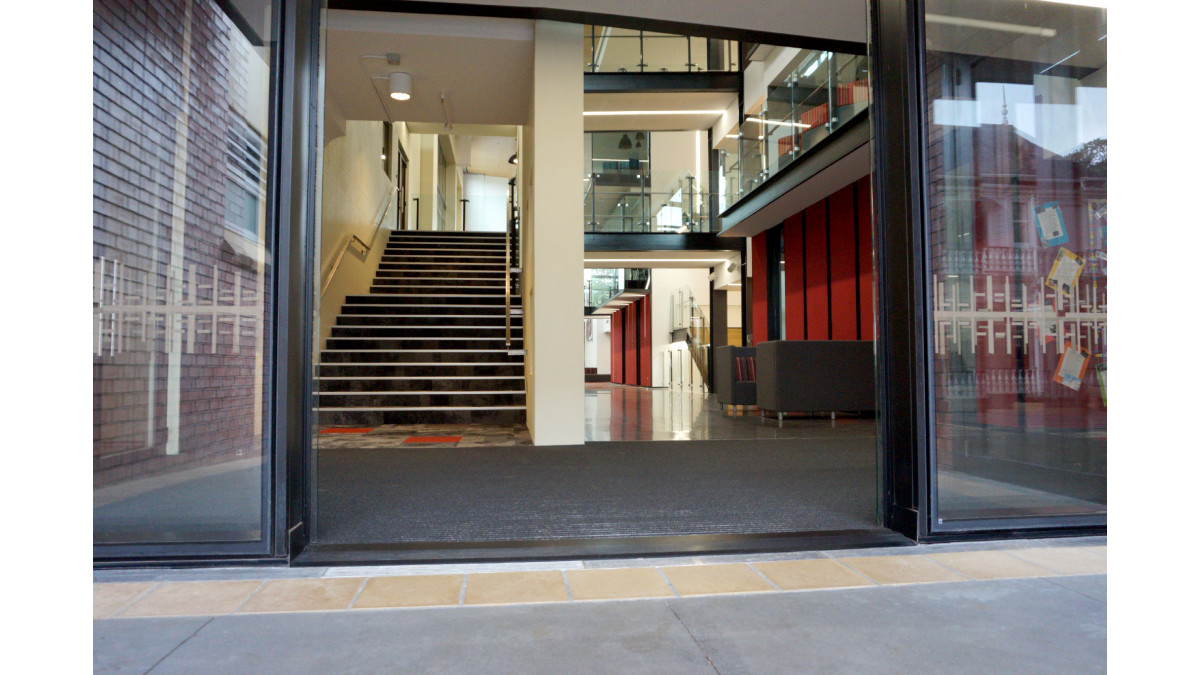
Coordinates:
<point>385,308</point>
<point>416,343</point>
<point>413,399</point>
<point>428,383</point>
<point>454,289</point>
<point>423,331</point>
<point>423,369</point>
<point>514,414</point>
<point>440,299</point>
<point>441,321</point>
<point>387,356</point>
<point>486,275</point>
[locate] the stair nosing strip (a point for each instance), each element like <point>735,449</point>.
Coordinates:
<point>423,408</point>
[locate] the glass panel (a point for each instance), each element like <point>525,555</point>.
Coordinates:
<point>181,270</point>
<point>1016,110</point>
<point>626,190</point>
<point>794,117</point>
<point>622,50</point>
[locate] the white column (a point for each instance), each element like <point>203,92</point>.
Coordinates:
<point>553,231</point>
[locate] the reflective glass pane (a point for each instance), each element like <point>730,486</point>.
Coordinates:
<point>1017,156</point>
<point>181,269</point>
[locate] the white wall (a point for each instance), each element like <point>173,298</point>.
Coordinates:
<point>597,352</point>
<point>663,285</point>
<point>552,239</point>
<point>487,205</point>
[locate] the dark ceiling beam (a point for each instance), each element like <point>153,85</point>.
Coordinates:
<point>657,82</point>
<point>634,241</point>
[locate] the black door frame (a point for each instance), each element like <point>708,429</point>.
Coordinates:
<point>905,391</point>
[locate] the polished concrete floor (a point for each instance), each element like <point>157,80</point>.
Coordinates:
<point>616,412</point>
<point>1017,606</point>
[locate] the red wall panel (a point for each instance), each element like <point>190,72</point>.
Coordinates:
<point>758,289</point>
<point>793,277</point>
<point>630,320</point>
<point>843,282</point>
<point>617,367</point>
<point>866,284</point>
<point>816,270</point>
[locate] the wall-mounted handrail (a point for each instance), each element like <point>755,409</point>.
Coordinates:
<point>387,202</point>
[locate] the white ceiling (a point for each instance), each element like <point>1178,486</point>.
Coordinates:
<point>712,102</point>
<point>483,65</point>
<point>489,155</point>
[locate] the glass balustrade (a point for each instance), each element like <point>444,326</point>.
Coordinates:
<point>803,105</point>
<point>608,49</point>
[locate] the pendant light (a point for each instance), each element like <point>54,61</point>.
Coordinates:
<point>400,85</point>
<point>625,143</point>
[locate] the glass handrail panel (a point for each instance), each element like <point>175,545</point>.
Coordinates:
<point>802,107</point>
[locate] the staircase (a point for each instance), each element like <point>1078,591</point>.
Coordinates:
<point>428,344</point>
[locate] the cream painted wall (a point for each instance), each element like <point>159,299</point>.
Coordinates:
<point>355,195</point>
<point>427,182</point>
<point>554,375</point>
<point>664,283</point>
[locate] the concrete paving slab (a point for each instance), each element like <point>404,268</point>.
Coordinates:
<point>986,627</point>
<point>636,636</point>
<point>135,645</point>
<point>1094,586</point>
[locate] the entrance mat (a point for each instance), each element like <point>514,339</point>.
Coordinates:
<point>344,430</point>
<point>433,439</point>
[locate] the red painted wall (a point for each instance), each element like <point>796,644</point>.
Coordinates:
<point>843,254</point>
<point>617,337</point>
<point>816,272</point>
<point>793,277</point>
<point>630,346</point>
<point>828,281</point>
<point>758,288</point>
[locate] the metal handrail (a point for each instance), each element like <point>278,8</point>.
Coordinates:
<point>353,238</point>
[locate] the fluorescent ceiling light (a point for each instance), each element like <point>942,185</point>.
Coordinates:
<point>778,123</point>
<point>589,113</point>
<point>990,25</point>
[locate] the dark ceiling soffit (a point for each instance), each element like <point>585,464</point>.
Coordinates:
<point>624,83</point>
<point>600,19</point>
<point>633,241</point>
<point>833,147</point>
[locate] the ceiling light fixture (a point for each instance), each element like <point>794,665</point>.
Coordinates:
<point>513,159</point>
<point>590,113</point>
<point>400,85</point>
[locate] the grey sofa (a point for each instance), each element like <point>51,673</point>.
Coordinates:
<point>735,385</point>
<point>816,376</point>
